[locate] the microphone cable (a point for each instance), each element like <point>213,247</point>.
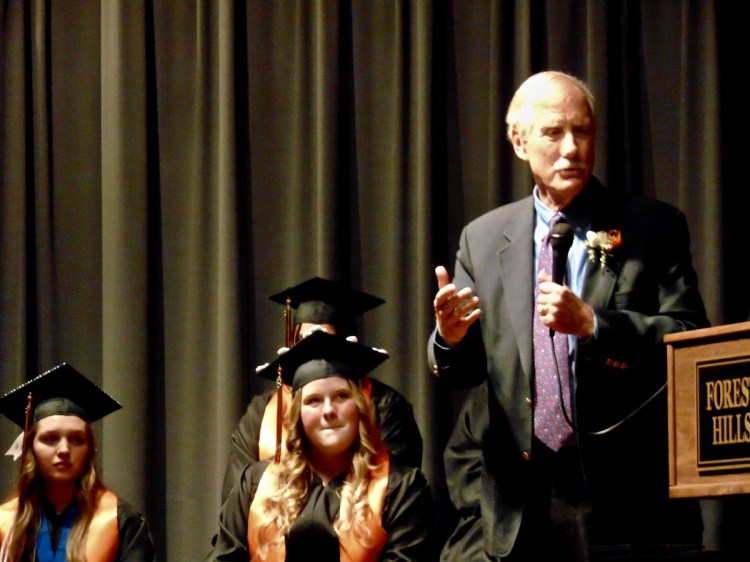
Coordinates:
<point>561,238</point>
<point>569,416</point>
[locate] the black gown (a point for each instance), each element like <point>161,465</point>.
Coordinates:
<point>135,541</point>
<point>134,537</point>
<point>393,412</point>
<point>407,519</point>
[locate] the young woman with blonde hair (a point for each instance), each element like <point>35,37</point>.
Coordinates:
<point>61,510</point>
<point>320,304</point>
<point>335,494</point>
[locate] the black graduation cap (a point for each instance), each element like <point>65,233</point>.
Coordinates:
<point>322,355</point>
<point>61,390</point>
<point>320,301</point>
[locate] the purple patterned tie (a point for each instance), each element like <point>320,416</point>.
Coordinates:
<point>550,425</point>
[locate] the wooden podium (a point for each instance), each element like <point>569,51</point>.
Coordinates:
<point>708,383</point>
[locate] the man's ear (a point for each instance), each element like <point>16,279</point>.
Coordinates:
<point>518,145</point>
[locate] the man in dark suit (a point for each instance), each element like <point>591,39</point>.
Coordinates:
<point>602,487</point>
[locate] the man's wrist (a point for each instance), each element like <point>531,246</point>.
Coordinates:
<point>590,335</point>
<point>440,342</point>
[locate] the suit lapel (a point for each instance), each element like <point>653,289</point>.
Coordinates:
<point>516,260</point>
<point>599,282</point>
<point>516,265</point>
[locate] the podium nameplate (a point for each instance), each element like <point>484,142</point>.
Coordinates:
<point>709,411</point>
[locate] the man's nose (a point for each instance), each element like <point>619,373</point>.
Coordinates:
<point>568,145</point>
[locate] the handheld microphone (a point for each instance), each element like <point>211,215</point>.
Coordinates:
<point>560,239</point>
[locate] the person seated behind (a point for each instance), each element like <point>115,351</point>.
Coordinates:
<point>60,504</point>
<point>336,492</point>
<point>322,305</point>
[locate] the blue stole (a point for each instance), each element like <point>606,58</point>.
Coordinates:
<point>44,551</point>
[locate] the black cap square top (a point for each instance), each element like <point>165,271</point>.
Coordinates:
<point>319,300</point>
<point>60,391</point>
<point>322,355</point>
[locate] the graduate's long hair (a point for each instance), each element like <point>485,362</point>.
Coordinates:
<point>30,489</point>
<point>296,475</point>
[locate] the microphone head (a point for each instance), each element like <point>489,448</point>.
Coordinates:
<point>561,236</point>
<point>560,240</point>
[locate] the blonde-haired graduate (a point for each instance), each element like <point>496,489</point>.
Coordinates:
<point>335,494</point>
<point>319,304</point>
<point>61,510</point>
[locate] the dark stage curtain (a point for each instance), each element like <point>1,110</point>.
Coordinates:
<point>166,165</point>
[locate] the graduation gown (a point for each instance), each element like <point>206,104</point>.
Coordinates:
<point>131,542</point>
<point>407,519</point>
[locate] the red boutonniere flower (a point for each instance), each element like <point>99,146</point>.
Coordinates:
<point>600,244</point>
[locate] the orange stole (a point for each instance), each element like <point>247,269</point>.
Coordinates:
<point>350,549</point>
<point>102,537</point>
<point>267,435</point>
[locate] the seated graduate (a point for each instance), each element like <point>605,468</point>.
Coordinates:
<point>320,304</point>
<point>61,510</point>
<point>335,494</point>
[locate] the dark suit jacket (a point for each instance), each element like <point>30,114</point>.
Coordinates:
<point>648,289</point>
<point>462,459</point>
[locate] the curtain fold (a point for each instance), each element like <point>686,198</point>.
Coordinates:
<point>167,165</point>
